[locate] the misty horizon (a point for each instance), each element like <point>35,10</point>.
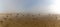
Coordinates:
<point>30,6</point>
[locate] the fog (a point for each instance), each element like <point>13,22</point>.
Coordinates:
<point>31,6</point>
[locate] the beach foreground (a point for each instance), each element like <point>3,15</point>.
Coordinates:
<point>29,20</point>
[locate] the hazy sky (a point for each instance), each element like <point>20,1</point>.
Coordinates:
<point>36,6</point>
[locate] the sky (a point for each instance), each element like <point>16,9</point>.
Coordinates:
<point>33,6</point>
